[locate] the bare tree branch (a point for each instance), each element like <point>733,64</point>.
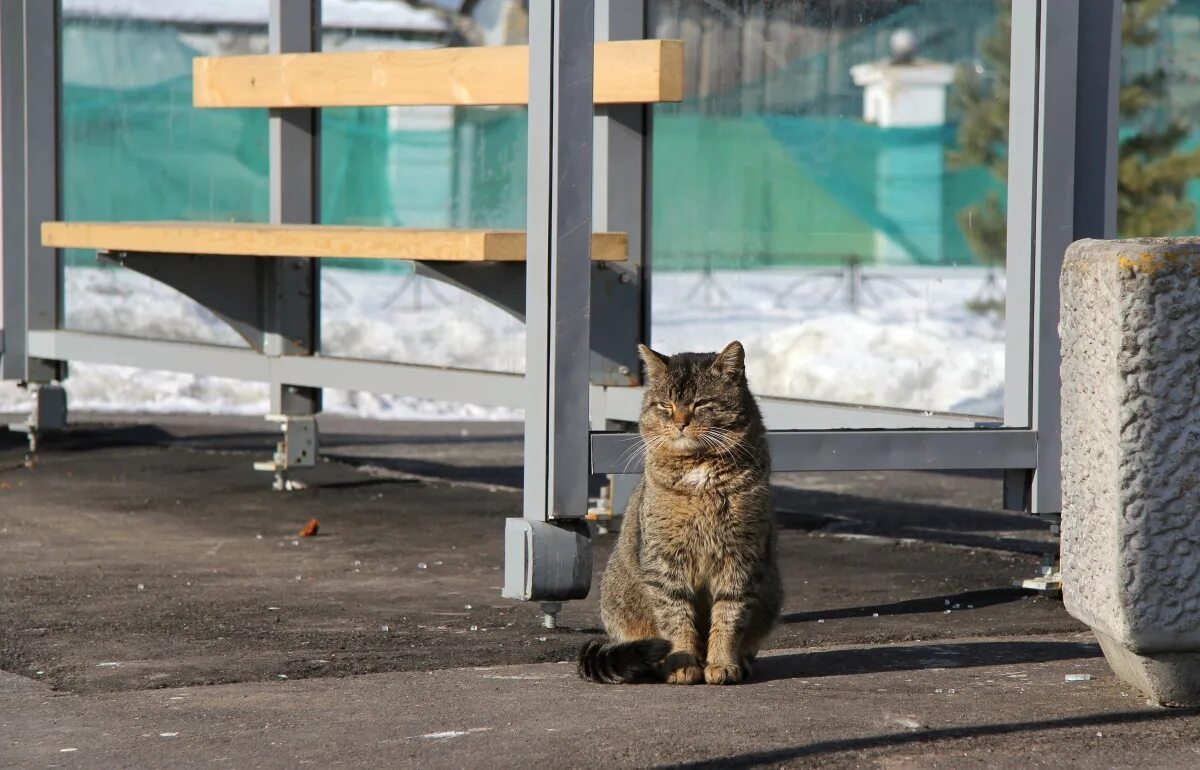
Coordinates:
<point>461,22</point>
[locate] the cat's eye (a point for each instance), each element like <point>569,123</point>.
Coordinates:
<point>664,406</point>
<point>704,403</point>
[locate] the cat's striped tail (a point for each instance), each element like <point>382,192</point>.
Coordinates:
<point>623,662</point>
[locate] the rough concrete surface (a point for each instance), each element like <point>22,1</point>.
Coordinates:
<point>158,610</point>
<point>1130,328</point>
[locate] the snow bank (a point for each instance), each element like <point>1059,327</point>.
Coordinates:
<point>913,343</point>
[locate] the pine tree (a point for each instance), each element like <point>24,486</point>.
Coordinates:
<point>981,96</point>
<point>1152,172</point>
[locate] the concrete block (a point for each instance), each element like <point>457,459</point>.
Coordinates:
<point>1130,328</point>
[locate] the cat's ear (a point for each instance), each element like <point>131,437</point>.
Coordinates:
<point>656,363</point>
<point>732,360</point>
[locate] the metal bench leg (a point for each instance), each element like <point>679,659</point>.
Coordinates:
<point>49,412</point>
<point>30,274</point>
<point>291,300</point>
<point>548,554</point>
<point>297,448</point>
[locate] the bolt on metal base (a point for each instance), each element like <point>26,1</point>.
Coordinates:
<point>550,612</point>
<point>296,449</point>
<point>1049,582</point>
<point>49,414</point>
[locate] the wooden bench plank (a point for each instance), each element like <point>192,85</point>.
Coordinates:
<point>319,241</point>
<point>626,72</point>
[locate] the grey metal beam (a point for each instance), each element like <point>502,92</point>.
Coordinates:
<point>189,357</point>
<point>1022,209</point>
<point>621,188</point>
<point>786,413</point>
<point>1062,186</point>
<point>1076,186</point>
<point>1054,228</point>
<point>501,283</point>
<point>558,264</point>
<point>446,384</point>
<point>432,382</point>
<point>231,287</point>
<point>292,299</point>
<point>43,266</point>
<point>853,450</point>
<point>547,553</point>
<point>12,190</point>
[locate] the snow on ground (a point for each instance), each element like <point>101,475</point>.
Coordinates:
<point>912,343</point>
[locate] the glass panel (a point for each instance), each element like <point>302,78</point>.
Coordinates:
<point>1158,178</point>
<point>831,192</point>
<point>436,167</point>
<point>134,148</point>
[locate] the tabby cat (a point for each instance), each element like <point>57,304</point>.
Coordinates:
<point>692,588</point>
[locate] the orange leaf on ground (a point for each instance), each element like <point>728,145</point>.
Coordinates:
<point>310,529</point>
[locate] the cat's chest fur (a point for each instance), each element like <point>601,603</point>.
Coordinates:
<point>698,509</point>
<point>696,526</point>
<point>695,495</point>
<point>701,478</point>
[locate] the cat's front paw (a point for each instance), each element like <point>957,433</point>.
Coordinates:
<point>685,675</point>
<point>682,668</point>
<point>720,673</point>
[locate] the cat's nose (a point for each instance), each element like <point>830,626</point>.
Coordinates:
<point>681,417</point>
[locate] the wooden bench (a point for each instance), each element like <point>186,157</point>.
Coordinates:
<point>626,72</point>
<point>637,72</point>
<point>328,241</point>
<point>270,298</point>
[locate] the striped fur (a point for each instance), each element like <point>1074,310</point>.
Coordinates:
<point>622,662</point>
<point>695,563</point>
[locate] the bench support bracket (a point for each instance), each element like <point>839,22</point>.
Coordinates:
<point>232,288</point>
<point>49,413</point>
<point>547,561</point>
<point>297,448</point>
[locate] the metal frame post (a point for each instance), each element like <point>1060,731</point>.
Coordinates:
<point>29,68</point>
<point>12,191</point>
<point>1062,186</point>
<point>43,266</point>
<point>30,274</point>
<point>621,188</point>
<point>292,287</point>
<point>1022,207</point>
<point>292,303</point>
<point>548,552</point>
<point>1053,228</point>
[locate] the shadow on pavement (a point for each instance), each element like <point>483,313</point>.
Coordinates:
<point>964,601</point>
<point>854,514</point>
<point>776,756</point>
<point>493,458</point>
<point>873,660</point>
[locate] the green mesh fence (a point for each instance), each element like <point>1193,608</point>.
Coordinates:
<point>729,191</point>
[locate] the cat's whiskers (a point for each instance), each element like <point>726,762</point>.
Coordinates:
<point>638,452</point>
<point>724,448</point>
<point>648,444</point>
<point>633,452</point>
<point>731,445</point>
